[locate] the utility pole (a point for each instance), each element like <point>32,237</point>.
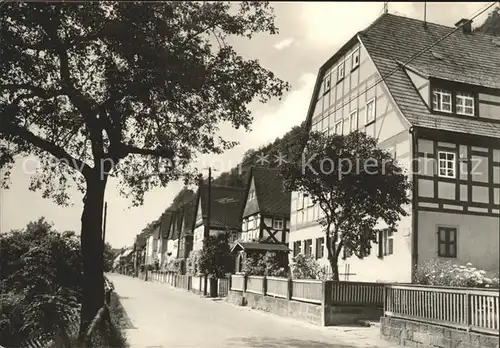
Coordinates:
<point>104,226</point>
<point>425,14</point>
<point>207,230</point>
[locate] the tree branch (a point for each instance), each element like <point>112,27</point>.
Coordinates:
<point>56,151</point>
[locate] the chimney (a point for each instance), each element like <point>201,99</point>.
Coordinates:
<point>466,25</point>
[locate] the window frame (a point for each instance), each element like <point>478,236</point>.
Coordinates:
<point>455,88</point>
<point>355,113</point>
<point>320,248</point>
<point>300,201</point>
<point>354,65</point>
<point>465,96</point>
<point>281,220</point>
<point>441,91</point>
<point>447,231</point>
<point>368,121</point>
<point>385,248</point>
<point>327,78</point>
<point>341,122</point>
<point>308,247</point>
<point>340,67</point>
<point>446,160</point>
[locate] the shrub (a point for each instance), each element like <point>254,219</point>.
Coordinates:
<point>193,263</point>
<point>215,256</point>
<point>446,273</point>
<point>268,264</point>
<point>306,267</point>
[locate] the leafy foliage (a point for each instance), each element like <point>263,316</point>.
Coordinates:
<point>109,257</point>
<point>215,258</point>
<point>446,273</point>
<point>356,185</point>
<point>128,89</point>
<point>492,24</point>
<point>306,267</point>
<point>266,264</point>
<point>193,263</point>
<point>41,279</point>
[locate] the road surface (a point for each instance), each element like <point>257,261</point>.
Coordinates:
<point>161,316</point>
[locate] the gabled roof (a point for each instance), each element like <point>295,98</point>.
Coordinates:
<point>392,41</point>
<point>222,214</point>
<point>260,246</point>
<point>166,219</point>
<point>466,58</point>
<point>189,216</point>
<point>272,198</point>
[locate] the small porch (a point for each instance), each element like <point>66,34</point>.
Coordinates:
<point>242,250</point>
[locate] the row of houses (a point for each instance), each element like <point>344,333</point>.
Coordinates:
<point>257,217</point>
<point>430,94</point>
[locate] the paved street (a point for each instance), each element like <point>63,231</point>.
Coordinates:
<point>165,317</point>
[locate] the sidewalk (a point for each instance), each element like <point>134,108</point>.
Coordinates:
<point>162,316</point>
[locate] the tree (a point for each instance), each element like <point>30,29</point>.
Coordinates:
<point>215,258</point>
<point>131,90</point>
<point>41,275</point>
<point>492,24</point>
<point>109,257</point>
<point>355,184</point>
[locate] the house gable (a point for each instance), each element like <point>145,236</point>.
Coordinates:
<point>252,204</point>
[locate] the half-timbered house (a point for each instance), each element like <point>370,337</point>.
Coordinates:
<point>225,213</point>
<point>430,94</point>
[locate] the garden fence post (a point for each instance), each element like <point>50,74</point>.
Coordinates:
<point>264,286</point>
<point>290,289</point>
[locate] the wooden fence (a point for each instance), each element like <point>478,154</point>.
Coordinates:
<point>187,282</point>
<point>313,291</point>
<point>462,308</point>
<point>356,294</point>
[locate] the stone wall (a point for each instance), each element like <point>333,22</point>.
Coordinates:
<point>313,313</point>
<point>309,312</point>
<point>422,335</point>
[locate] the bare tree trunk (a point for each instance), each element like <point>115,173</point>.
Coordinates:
<point>92,251</point>
<point>332,254</point>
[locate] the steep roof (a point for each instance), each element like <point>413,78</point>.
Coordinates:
<point>272,198</point>
<point>392,41</point>
<point>223,214</point>
<point>189,216</point>
<point>166,219</point>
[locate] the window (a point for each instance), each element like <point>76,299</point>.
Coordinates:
<point>278,223</point>
<point>447,242</point>
<point>465,103</point>
<point>340,72</point>
<point>327,83</point>
<point>370,111</point>
<point>355,59</point>
<point>441,100</point>
<point>308,247</point>
<point>447,164</point>
<point>251,195</point>
<point>338,127</point>
<point>320,247</point>
<point>244,226</point>
<point>297,248</point>
<point>300,201</point>
<point>353,119</point>
<point>385,243</point>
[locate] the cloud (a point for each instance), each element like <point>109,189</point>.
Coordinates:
<point>284,43</point>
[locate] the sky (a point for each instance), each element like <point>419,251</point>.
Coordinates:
<point>310,33</point>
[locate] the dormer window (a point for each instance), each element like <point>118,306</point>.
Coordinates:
<point>465,103</point>
<point>441,100</point>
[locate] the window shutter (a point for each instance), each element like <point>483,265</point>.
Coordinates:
<point>380,244</point>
